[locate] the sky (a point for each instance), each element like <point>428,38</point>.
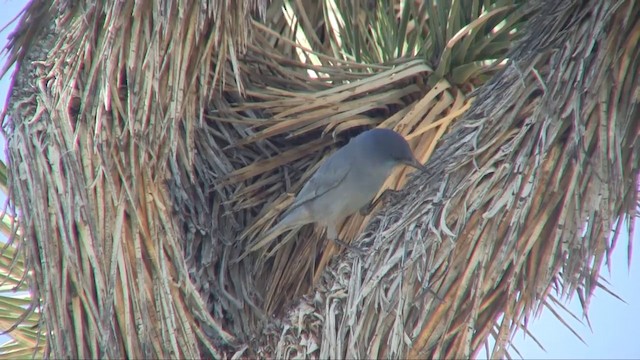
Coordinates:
<point>615,325</point>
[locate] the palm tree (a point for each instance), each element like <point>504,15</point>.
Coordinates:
<point>150,142</point>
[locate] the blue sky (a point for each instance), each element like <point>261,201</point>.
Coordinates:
<point>615,332</point>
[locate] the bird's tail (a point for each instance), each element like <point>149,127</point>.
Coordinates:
<point>294,218</point>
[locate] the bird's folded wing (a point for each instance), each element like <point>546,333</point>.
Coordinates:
<point>328,176</point>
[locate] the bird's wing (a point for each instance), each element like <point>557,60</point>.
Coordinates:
<point>330,174</point>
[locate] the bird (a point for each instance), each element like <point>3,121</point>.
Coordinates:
<point>346,182</point>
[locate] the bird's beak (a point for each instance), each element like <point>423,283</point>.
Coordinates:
<point>414,163</point>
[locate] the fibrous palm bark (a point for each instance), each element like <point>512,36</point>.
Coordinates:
<point>102,94</point>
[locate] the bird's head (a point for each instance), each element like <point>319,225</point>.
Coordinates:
<point>387,146</point>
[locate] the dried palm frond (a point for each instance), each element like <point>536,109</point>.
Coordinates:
<point>102,94</point>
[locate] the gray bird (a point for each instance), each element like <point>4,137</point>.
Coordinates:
<point>346,182</point>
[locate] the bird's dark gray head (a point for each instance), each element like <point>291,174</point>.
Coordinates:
<point>387,145</point>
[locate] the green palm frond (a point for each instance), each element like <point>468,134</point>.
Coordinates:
<point>459,39</point>
<point>19,314</point>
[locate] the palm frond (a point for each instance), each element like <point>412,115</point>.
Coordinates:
<point>115,78</point>
<point>19,310</point>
